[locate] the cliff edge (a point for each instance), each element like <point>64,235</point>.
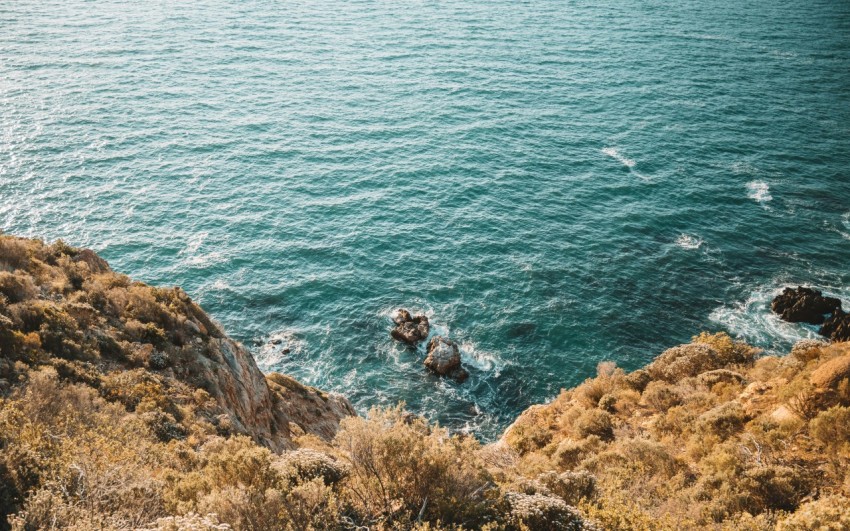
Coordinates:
<point>144,347</point>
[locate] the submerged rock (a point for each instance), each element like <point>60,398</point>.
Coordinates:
<point>804,305</point>
<point>409,329</point>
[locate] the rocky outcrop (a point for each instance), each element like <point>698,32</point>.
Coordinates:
<point>65,307</point>
<point>804,305</point>
<point>444,358</point>
<point>837,327</point>
<point>807,305</point>
<point>271,408</point>
<point>409,329</point>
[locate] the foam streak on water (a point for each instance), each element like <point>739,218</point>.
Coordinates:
<point>304,169</point>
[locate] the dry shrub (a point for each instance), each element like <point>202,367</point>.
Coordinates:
<point>731,352</point>
<point>595,422</point>
<point>661,396</point>
<point>530,432</point>
<point>188,522</point>
<point>14,253</point>
<point>634,458</point>
<point>707,352</point>
<point>543,513</point>
<point>807,350</point>
<point>572,487</point>
<point>723,420</point>
<point>830,374</point>
<point>58,332</point>
<point>807,404</point>
<point>570,453</point>
<point>608,403</point>
<point>240,482</point>
<point>617,511</point>
<point>80,461</point>
<point>638,380</point>
<point>304,464</point>
<point>401,467</point>
<point>773,487</point>
<point>830,513</point>
<point>721,376</point>
<point>16,287</point>
<point>131,388</point>
<point>832,428</point>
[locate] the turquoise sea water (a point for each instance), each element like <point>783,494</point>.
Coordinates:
<point>554,182</point>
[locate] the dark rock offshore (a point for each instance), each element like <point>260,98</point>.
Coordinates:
<point>837,327</point>
<point>444,358</point>
<point>804,305</point>
<point>409,329</point>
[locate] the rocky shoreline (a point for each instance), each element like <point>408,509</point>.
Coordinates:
<point>808,305</point>
<point>124,406</point>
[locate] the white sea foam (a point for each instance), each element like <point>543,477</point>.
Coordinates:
<point>759,191</point>
<point>614,154</point>
<point>481,360</point>
<point>278,346</point>
<point>686,241</point>
<point>753,321</point>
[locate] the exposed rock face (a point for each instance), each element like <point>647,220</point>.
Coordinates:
<point>837,327</point>
<point>65,307</point>
<point>443,355</point>
<point>444,358</point>
<point>409,329</point>
<point>266,406</point>
<point>804,305</point>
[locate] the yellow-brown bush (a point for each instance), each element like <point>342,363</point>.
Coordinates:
<point>103,426</point>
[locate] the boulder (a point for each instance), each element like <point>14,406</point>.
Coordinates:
<point>837,327</point>
<point>444,358</point>
<point>831,373</point>
<point>409,329</point>
<point>804,305</point>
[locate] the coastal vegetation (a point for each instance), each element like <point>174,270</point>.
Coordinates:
<point>124,406</point>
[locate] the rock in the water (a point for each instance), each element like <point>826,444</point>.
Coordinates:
<point>460,374</point>
<point>409,329</point>
<point>804,305</point>
<point>837,327</point>
<point>443,355</point>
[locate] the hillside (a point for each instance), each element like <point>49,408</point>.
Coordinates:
<point>124,406</point>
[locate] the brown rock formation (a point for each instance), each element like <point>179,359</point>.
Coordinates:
<point>409,329</point>
<point>64,307</point>
<point>804,305</point>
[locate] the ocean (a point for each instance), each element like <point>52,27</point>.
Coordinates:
<point>554,183</point>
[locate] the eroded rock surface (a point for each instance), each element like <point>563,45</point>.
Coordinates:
<point>804,305</point>
<point>444,358</point>
<point>409,329</point>
<point>837,327</point>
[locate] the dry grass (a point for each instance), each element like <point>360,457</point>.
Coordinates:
<point>98,431</point>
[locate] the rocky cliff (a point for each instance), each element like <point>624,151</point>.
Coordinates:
<point>140,345</point>
<point>124,406</point>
